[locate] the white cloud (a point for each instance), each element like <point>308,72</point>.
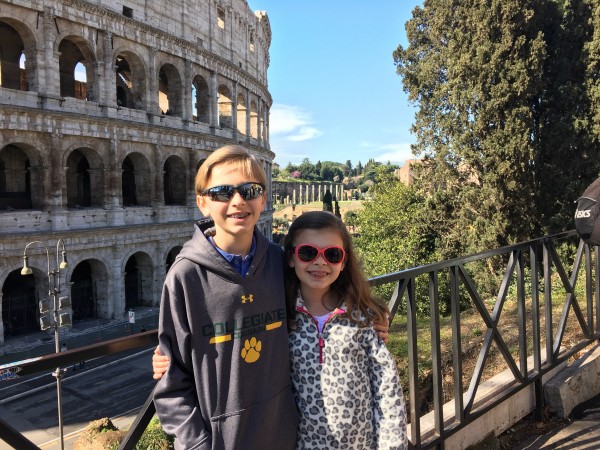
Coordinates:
<point>395,153</point>
<point>292,123</point>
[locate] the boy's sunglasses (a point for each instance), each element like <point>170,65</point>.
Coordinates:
<point>308,253</point>
<point>248,191</point>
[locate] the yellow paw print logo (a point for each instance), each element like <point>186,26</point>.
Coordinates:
<point>251,350</point>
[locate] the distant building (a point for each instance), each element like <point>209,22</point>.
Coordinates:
<point>405,173</point>
<point>106,111</point>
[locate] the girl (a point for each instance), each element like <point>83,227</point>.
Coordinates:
<point>345,380</point>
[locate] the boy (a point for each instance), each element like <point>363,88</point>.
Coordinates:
<point>222,321</point>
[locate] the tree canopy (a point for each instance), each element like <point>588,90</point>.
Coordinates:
<point>504,121</point>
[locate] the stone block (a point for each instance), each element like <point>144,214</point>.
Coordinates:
<point>579,382</point>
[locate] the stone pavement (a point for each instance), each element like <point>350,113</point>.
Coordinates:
<point>580,431</point>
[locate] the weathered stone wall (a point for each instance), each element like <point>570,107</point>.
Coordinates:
<point>107,167</point>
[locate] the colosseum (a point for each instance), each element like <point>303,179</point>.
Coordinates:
<point>107,108</point>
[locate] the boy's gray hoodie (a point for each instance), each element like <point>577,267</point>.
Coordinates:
<point>228,383</point>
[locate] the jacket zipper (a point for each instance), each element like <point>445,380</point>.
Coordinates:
<point>335,312</point>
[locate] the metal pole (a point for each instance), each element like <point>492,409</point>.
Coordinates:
<point>53,291</point>
<point>57,373</point>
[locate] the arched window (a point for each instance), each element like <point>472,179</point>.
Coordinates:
<point>15,179</point>
<point>169,90</point>
<point>75,66</point>
<point>174,181</point>
<point>241,114</point>
<point>130,81</point>
<point>201,100</point>
<point>225,107</point>
<point>253,120</point>
<point>19,306</point>
<point>84,179</point>
<point>83,295</point>
<point>138,280</point>
<point>12,58</point>
<point>135,180</point>
<point>171,257</point>
<point>78,181</point>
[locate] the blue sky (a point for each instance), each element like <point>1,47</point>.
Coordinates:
<point>336,94</point>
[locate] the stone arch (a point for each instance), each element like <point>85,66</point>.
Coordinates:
<point>84,179</point>
<point>130,80</point>
<point>169,90</point>
<point>200,100</point>
<point>89,290</point>
<point>17,45</point>
<point>135,180</point>
<point>74,51</point>
<point>171,255</point>
<point>241,113</point>
<point>225,104</point>
<point>174,173</point>
<point>138,276</point>
<point>254,122</point>
<point>21,185</point>
<point>20,312</point>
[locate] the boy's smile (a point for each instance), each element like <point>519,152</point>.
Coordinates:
<point>235,219</point>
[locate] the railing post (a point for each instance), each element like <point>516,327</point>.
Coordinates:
<point>413,364</point>
<point>15,439</point>
<point>140,424</point>
<point>521,316</point>
<point>436,356</point>
<point>535,329</point>
<point>456,345</point>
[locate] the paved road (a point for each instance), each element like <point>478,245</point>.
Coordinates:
<point>108,387</point>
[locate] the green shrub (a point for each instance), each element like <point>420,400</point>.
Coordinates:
<point>154,438</point>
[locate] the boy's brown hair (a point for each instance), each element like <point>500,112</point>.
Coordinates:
<point>236,155</point>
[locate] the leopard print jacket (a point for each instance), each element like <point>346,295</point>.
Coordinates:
<point>346,386</point>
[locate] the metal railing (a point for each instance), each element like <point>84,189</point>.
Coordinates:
<point>533,282</point>
<point>534,271</point>
<point>65,359</point>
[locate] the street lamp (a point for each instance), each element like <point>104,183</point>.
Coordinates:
<point>55,311</point>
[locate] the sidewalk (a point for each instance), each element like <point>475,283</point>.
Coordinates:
<point>82,333</point>
<point>581,430</point>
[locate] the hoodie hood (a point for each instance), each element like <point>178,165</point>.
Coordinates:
<point>200,251</point>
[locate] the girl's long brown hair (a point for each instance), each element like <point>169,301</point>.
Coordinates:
<point>351,287</point>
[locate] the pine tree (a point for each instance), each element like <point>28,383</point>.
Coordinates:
<point>485,77</point>
<point>327,201</point>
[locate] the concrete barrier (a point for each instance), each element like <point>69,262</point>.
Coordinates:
<point>494,422</point>
<point>579,382</point>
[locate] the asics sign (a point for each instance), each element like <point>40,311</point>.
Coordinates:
<point>585,213</point>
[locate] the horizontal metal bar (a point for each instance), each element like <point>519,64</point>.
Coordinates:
<point>69,357</point>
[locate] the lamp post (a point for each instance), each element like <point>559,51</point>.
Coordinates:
<point>55,311</point>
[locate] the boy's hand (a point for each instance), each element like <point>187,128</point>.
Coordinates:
<point>160,364</point>
<point>382,329</point>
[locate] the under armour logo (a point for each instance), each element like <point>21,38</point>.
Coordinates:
<point>249,298</point>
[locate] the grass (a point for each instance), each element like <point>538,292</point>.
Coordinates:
<point>473,331</point>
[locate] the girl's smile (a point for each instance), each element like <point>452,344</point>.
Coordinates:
<point>317,276</point>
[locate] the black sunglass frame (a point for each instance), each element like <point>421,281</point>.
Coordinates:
<point>224,193</point>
